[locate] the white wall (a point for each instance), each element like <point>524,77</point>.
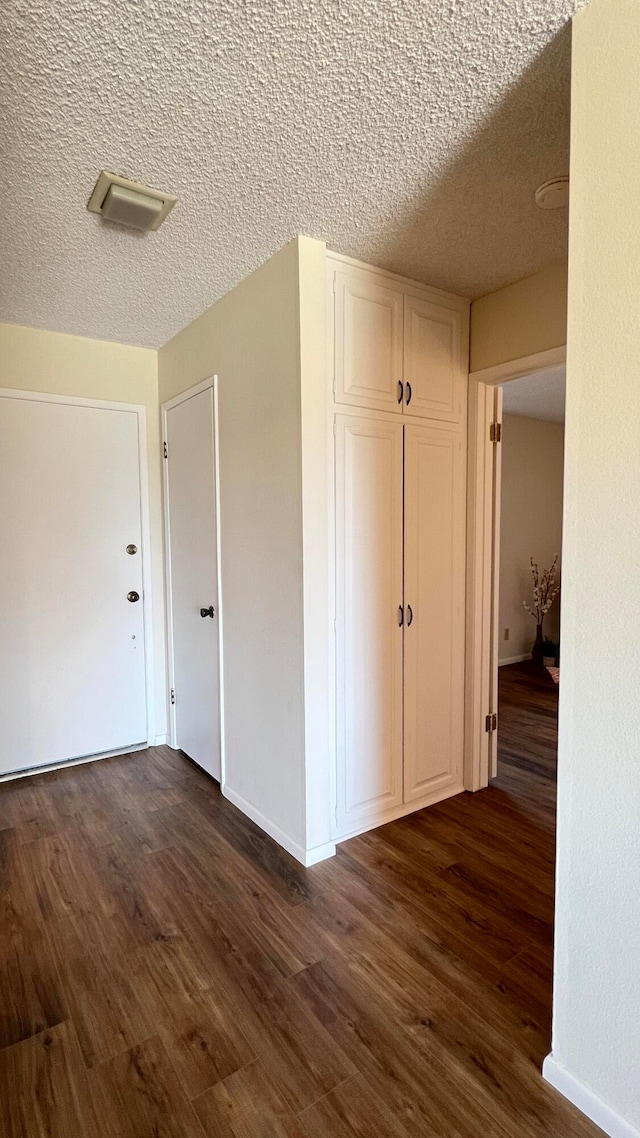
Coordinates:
<point>531,523</point>
<point>596,1049</point>
<point>57,364</point>
<point>255,340</point>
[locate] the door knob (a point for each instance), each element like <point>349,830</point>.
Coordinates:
<point>207,612</point>
<point>133,596</point>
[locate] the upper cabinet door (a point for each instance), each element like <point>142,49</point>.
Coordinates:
<point>435,375</point>
<point>368,342</point>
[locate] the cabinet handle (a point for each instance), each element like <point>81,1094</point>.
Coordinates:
<point>409,393</point>
<point>400,391</point>
<point>400,616</point>
<point>409,616</point>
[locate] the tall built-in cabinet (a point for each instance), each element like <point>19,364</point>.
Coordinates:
<point>398,368</point>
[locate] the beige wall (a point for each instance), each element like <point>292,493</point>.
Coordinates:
<point>597,939</point>
<point>524,318</point>
<point>254,340</point>
<point>57,364</point>
<point>531,523</point>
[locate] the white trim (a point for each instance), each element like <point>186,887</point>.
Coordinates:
<point>140,411</point>
<point>216,460</point>
<point>479,587</point>
<point>587,1100</point>
<point>161,740</point>
<point>74,400</point>
<point>182,397</point>
<point>29,772</point>
<point>514,659</point>
<point>306,857</point>
<point>480,552</point>
<point>516,369</point>
<point>211,383</point>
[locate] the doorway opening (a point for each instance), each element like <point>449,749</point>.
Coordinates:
<point>528,555</point>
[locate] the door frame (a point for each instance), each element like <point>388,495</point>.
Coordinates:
<point>140,411</point>
<point>210,383</point>
<point>483,506</point>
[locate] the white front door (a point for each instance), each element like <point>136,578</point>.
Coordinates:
<point>193,577</point>
<point>71,642</point>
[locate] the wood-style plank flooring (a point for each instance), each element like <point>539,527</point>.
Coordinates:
<point>168,972</point>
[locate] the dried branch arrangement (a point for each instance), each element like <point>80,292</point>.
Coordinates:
<point>545,590</point>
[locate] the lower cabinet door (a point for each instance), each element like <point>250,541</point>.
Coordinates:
<point>434,633</point>
<point>368,632</point>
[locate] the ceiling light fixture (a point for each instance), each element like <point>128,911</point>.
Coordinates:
<point>553,194</point>
<point>129,203</point>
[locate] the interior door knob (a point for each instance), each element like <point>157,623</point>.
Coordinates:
<point>207,612</point>
<point>133,596</point>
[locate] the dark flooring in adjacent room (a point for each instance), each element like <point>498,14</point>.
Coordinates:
<point>168,972</point>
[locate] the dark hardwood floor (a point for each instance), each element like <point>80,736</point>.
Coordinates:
<point>168,972</point>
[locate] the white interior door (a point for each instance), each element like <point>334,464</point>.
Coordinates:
<point>71,643</point>
<point>193,577</point>
<point>368,625</point>
<point>434,633</point>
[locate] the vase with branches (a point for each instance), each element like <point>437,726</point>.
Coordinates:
<point>545,591</point>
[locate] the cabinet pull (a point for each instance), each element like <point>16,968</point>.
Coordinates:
<point>400,616</point>
<point>409,616</point>
<point>400,391</point>
<point>409,393</point>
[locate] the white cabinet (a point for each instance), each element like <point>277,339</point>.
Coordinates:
<point>369,637</point>
<point>368,342</point>
<point>395,348</point>
<point>398,356</point>
<point>434,591</point>
<point>400,581</point>
<point>434,369</point>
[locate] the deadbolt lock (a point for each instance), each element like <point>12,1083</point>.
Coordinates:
<point>132,549</point>
<point>133,596</point>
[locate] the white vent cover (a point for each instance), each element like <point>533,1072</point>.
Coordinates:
<point>129,203</point>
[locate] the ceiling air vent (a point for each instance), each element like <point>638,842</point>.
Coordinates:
<point>129,203</point>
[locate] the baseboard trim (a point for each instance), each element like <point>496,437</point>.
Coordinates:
<point>514,659</point>
<point>161,740</point>
<point>587,1101</point>
<point>305,857</point>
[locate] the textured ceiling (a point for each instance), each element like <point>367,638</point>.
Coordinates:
<point>408,133</point>
<point>539,396</point>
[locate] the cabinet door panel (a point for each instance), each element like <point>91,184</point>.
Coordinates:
<point>435,592</point>
<point>434,364</point>
<point>368,637</point>
<point>368,342</point>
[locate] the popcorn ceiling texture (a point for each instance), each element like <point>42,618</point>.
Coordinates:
<point>408,133</point>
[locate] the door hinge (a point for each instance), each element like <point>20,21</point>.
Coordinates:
<point>173,695</point>
<point>166,450</point>
<point>491,722</point>
<point>495,432</point>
